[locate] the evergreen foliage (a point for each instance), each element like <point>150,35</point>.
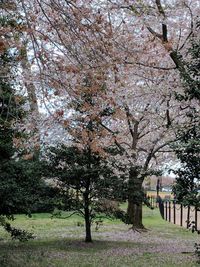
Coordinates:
<point>188,152</point>
<point>187,146</point>
<point>21,186</point>
<point>88,183</point>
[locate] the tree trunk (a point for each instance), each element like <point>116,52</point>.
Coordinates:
<point>88,236</point>
<point>135,199</point>
<point>32,98</point>
<point>135,214</point>
<point>31,90</point>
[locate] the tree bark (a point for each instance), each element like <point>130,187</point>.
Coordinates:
<point>88,236</point>
<point>32,98</point>
<point>135,199</point>
<point>31,90</point>
<point>135,214</point>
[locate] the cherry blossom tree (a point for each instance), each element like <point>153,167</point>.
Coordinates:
<point>125,56</point>
<point>167,27</point>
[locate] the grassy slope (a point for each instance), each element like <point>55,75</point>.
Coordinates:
<point>59,243</point>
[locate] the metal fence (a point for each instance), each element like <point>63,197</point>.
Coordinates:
<point>178,214</point>
<point>152,200</point>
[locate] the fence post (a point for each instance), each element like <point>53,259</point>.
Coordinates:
<point>181,215</point>
<point>196,218</point>
<point>161,207</point>
<point>166,210</point>
<point>188,217</point>
<point>174,212</point>
<point>169,211</point>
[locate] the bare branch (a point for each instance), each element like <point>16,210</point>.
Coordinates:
<point>66,217</point>
<point>191,25</point>
<point>154,33</point>
<point>149,66</point>
<point>160,8</point>
<point>164,31</point>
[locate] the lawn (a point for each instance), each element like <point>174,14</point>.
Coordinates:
<point>161,194</point>
<point>59,243</point>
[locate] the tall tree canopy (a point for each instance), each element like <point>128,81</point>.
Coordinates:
<point>115,64</point>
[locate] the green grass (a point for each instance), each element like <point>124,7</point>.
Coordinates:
<point>59,243</point>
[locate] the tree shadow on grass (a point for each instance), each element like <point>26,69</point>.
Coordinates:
<point>58,252</point>
<point>73,245</point>
<point>43,252</point>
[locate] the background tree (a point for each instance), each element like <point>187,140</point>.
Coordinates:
<point>21,185</point>
<point>169,40</point>
<point>187,176</point>
<point>187,147</point>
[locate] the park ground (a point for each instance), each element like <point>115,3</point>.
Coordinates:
<point>59,243</point>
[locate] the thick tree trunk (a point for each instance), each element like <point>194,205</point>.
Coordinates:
<point>135,214</point>
<point>135,199</point>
